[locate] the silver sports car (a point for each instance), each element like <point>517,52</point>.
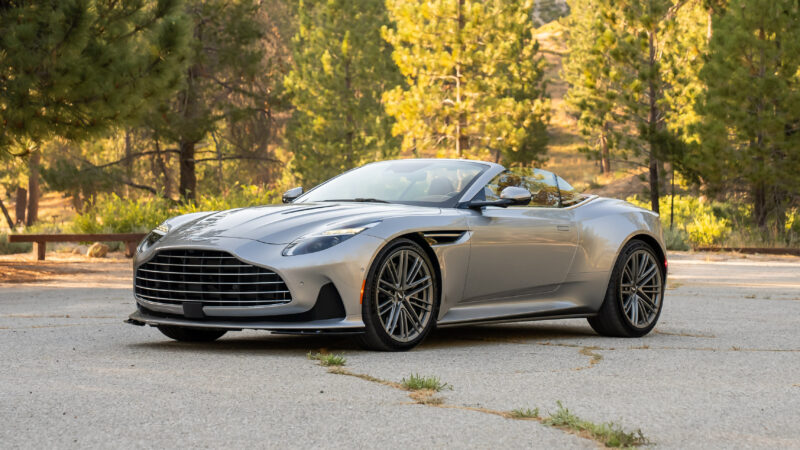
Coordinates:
<point>388,251</point>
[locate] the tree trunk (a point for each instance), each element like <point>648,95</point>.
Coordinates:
<point>605,157</point>
<point>654,194</point>
<point>128,159</point>
<point>760,205</point>
<point>6,215</point>
<point>462,142</point>
<point>33,188</point>
<point>652,128</point>
<point>21,206</point>
<point>188,182</point>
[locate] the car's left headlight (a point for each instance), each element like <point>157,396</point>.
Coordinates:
<point>316,242</point>
<point>153,237</point>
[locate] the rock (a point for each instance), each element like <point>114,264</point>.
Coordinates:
<point>97,250</point>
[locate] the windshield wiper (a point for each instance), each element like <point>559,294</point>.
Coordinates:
<point>360,200</point>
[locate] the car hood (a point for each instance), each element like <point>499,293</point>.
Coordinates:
<point>281,224</point>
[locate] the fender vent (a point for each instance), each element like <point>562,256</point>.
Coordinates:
<point>442,237</point>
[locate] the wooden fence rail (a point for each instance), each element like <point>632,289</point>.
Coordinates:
<point>40,240</point>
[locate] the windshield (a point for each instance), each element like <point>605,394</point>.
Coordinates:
<point>413,182</point>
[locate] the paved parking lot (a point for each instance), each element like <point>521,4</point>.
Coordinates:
<point>721,370</point>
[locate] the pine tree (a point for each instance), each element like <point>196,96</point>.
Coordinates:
<point>638,41</point>
<point>77,68</point>
<point>475,79</point>
<point>592,78</point>
<point>341,69</point>
<point>750,111</point>
<point>225,60</point>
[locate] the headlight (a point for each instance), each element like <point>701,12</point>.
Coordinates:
<point>153,237</point>
<point>323,240</point>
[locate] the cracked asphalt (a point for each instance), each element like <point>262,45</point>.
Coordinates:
<point>722,369</point>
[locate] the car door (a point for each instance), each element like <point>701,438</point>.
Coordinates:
<point>520,251</point>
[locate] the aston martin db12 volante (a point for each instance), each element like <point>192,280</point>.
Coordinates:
<point>388,251</point>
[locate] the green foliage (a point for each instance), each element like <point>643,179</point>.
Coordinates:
<point>627,75</point>
<point>609,433</point>
<point>748,138</point>
<point>8,248</point>
<point>592,78</point>
<point>676,239</point>
<point>112,214</point>
<point>220,85</point>
<point>418,382</point>
<point>696,222</point>
<point>341,69</point>
<point>75,68</point>
<point>327,359</point>
<point>524,413</point>
<point>475,79</point>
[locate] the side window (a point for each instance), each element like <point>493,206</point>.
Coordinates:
<point>569,196</point>
<point>543,187</point>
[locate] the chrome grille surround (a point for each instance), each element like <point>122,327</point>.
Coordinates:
<point>214,278</point>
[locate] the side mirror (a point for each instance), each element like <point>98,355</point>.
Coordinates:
<point>511,195</point>
<point>517,195</point>
<point>293,193</point>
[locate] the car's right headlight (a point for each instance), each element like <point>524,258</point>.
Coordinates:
<point>153,237</point>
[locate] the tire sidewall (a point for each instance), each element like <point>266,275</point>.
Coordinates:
<point>630,248</point>
<point>374,329</point>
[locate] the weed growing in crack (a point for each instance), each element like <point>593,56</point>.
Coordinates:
<point>327,359</point>
<point>524,413</point>
<point>417,382</point>
<point>610,434</point>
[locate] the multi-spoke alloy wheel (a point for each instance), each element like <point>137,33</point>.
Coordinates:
<point>400,298</point>
<point>635,294</point>
<point>404,297</point>
<point>640,289</point>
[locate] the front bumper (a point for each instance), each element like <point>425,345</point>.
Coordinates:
<point>344,266</point>
<point>328,325</point>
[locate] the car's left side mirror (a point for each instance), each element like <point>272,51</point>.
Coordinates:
<point>292,194</point>
<point>510,196</point>
<point>517,195</point>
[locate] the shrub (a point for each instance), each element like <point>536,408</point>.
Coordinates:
<point>8,248</point>
<point>112,214</point>
<point>697,222</point>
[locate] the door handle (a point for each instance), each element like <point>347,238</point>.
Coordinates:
<point>562,227</point>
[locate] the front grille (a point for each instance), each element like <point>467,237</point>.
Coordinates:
<point>212,277</point>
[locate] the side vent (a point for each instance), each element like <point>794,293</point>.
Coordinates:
<point>443,237</point>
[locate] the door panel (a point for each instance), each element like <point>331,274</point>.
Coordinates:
<point>519,251</point>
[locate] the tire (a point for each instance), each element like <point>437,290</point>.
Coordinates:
<point>632,305</point>
<point>187,334</point>
<point>402,320</point>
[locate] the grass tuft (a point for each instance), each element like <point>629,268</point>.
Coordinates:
<point>524,413</point>
<point>417,382</point>
<point>327,359</point>
<point>610,434</point>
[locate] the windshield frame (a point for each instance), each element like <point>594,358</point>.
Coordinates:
<point>450,203</point>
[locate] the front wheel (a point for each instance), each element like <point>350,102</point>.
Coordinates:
<point>635,294</point>
<point>400,301</point>
<point>186,334</point>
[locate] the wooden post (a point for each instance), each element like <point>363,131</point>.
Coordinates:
<point>130,248</point>
<point>40,247</point>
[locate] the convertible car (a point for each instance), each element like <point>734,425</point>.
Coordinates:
<point>390,250</point>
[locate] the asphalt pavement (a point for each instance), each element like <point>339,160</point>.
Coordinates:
<point>722,369</point>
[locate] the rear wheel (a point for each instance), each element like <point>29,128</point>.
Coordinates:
<point>186,334</point>
<point>635,294</point>
<point>400,301</point>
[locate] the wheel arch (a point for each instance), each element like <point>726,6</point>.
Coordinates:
<point>652,243</point>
